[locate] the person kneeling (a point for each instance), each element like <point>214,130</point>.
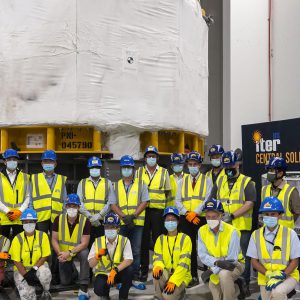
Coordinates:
<point>172,259</point>
<point>111,259</point>
<point>219,249</point>
<point>29,251</point>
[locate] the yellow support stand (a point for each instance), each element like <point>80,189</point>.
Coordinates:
<point>4,140</point>
<point>50,138</point>
<point>195,143</point>
<point>97,140</point>
<point>181,142</point>
<point>154,139</point>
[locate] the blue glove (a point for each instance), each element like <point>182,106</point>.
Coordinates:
<point>273,283</point>
<point>278,275</point>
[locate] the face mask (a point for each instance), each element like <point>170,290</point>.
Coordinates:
<point>72,212</point>
<point>177,168</point>
<point>11,164</point>
<point>230,172</point>
<point>29,227</point>
<point>95,172</point>
<point>151,161</point>
<point>270,221</point>
<point>194,170</point>
<point>111,234</point>
<point>216,162</point>
<point>48,167</point>
<point>271,176</point>
<point>126,172</point>
<point>213,223</point>
<point>171,225</point>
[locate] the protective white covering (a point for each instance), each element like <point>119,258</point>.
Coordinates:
<point>118,65</point>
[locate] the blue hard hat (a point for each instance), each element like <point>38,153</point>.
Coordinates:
<point>49,154</point>
<point>10,153</point>
<point>276,163</point>
<point>126,161</point>
<point>194,156</point>
<point>73,199</point>
<point>271,204</point>
<point>215,149</point>
<point>94,161</point>
<point>111,219</point>
<point>151,149</point>
<point>213,204</point>
<point>171,210</point>
<point>229,158</point>
<point>29,214</point>
<point>177,158</point>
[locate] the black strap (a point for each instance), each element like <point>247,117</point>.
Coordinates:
<point>111,259</point>
<point>272,243</point>
<point>30,251</point>
<point>172,254</point>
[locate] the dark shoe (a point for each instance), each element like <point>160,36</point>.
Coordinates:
<point>244,289</point>
<point>194,282</point>
<point>144,275</point>
<point>203,268</point>
<point>46,296</point>
<point>291,294</point>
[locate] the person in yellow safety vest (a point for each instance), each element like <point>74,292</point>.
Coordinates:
<point>157,180</point>
<point>278,187</point>
<point>111,259</point>
<point>14,194</point>
<point>275,250</point>
<point>177,164</point>
<point>30,250</point>
<point>95,193</point>
<point>215,154</point>
<point>238,195</point>
<point>48,192</point>
<point>171,259</point>
<point>193,191</point>
<point>219,249</point>
<point>4,256</point>
<point>70,239</point>
<point>132,199</point>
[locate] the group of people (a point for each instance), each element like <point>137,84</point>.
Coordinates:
<point>110,228</point>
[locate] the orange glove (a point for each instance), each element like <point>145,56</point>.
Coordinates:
<point>101,252</point>
<point>4,255</point>
<point>157,272</point>
<point>190,216</point>
<point>169,288</point>
<point>196,220</point>
<point>14,214</point>
<point>111,276</point>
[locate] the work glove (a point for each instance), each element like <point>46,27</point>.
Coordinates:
<point>157,272</point>
<point>227,218</point>
<point>14,214</point>
<point>277,275</point>
<point>206,275</point>
<point>226,264</point>
<point>95,217</point>
<point>4,255</point>
<point>273,283</point>
<point>111,276</point>
<point>169,288</point>
<point>101,252</point>
<point>128,219</point>
<point>96,223</point>
<point>31,278</point>
<point>192,217</point>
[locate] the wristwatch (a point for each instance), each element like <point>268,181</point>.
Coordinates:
<point>232,216</point>
<point>71,253</point>
<point>35,268</point>
<point>116,269</point>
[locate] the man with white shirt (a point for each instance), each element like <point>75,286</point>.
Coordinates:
<point>14,194</point>
<point>111,258</point>
<point>193,191</point>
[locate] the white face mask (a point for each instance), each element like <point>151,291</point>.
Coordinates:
<point>111,234</point>
<point>72,212</point>
<point>29,227</point>
<point>12,165</point>
<point>213,223</point>
<point>151,161</point>
<point>94,172</point>
<point>216,162</point>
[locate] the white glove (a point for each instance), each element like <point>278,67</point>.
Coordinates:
<point>96,223</point>
<point>95,217</point>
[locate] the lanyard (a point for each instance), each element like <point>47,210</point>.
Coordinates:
<point>172,254</point>
<point>111,258</point>
<point>272,243</point>
<point>147,172</point>
<point>30,251</point>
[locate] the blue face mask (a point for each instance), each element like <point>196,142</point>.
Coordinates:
<point>151,161</point>
<point>270,221</point>
<point>177,168</point>
<point>194,170</point>
<point>48,167</point>
<point>126,172</point>
<point>111,234</point>
<point>94,172</point>
<point>12,164</point>
<point>171,225</point>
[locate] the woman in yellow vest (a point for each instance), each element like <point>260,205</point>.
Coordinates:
<point>274,250</point>
<point>215,155</point>
<point>131,201</point>
<point>111,259</point>
<point>70,239</point>
<point>29,251</point>
<point>172,259</point>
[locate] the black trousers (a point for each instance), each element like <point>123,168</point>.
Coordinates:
<point>192,231</point>
<point>5,230</point>
<point>101,288</point>
<point>153,228</point>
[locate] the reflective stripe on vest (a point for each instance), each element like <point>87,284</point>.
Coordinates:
<point>174,186</point>
<point>128,203</point>
<point>287,218</point>
<point>3,240</point>
<point>210,172</point>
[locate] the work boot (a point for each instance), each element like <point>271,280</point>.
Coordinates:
<point>242,287</point>
<point>194,282</point>
<point>46,296</point>
<point>144,274</point>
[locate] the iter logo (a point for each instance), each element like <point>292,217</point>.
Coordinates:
<point>262,145</point>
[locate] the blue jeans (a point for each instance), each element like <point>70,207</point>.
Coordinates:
<point>245,238</point>
<point>135,237</point>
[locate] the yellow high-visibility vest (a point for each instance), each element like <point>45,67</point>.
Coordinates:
<point>47,204</point>
<point>129,203</point>
<point>156,186</point>
<point>234,199</point>
<point>94,198</point>
<point>210,172</point>
<point>104,265</point>
<point>65,240</point>
<point>174,187</point>
<point>287,218</point>
<point>13,197</point>
<point>181,266</point>
<point>192,198</point>
<point>280,258</point>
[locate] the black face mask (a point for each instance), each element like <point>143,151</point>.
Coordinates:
<point>230,172</point>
